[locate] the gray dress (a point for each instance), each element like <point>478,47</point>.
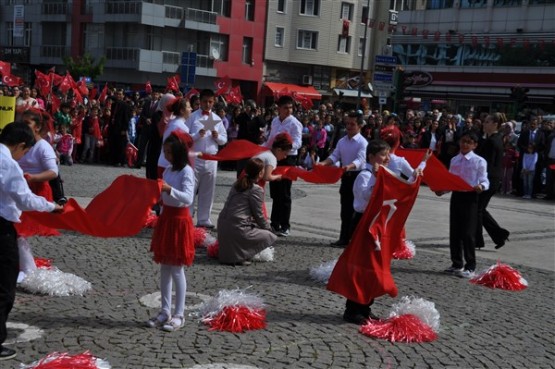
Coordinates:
<point>242,229</point>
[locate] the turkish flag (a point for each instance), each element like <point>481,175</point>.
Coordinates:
<point>222,86</point>
<point>148,87</point>
<point>55,79</point>
<point>56,102</point>
<point>66,84</point>
<point>363,271</point>
<point>5,68</point>
<point>42,82</point>
<point>103,94</point>
<point>305,102</point>
<point>234,96</point>
<point>82,87</point>
<point>11,80</point>
<point>283,92</point>
<point>191,93</point>
<point>173,83</point>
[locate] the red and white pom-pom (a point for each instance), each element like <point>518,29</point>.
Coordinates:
<point>425,310</point>
<point>234,311</point>
<point>322,273</point>
<point>209,240</point>
<point>404,328</point>
<point>151,220</point>
<point>407,251</point>
<point>58,360</point>
<point>213,250</point>
<point>264,256</point>
<point>501,276</point>
<point>199,237</point>
<point>43,263</point>
<point>54,282</point>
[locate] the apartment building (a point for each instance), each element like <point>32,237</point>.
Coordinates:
<point>319,47</point>
<point>471,54</point>
<point>202,40</point>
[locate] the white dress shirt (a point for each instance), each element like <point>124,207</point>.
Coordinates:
<point>15,195</point>
<point>400,165</point>
<point>40,158</point>
<point>289,125</point>
<point>176,123</point>
<point>362,188</point>
<point>206,144</point>
<point>350,150</point>
<point>473,169</point>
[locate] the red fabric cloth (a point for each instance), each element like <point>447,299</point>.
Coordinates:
<point>363,271</point>
<point>319,174</point>
<point>120,210</point>
<point>173,238</point>
<point>236,150</point>
<point>436,176</point>
<point>30,227</point>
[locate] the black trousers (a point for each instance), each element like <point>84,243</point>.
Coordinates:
<point>153,150</point>
<point>347,198</point>
<point>354,223</point>
<point>485,219</point>
<point>9,269</point>
<point>280,192</point>
<point>462,229</point>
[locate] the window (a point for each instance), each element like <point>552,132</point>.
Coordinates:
<point>360,46</point>
<point>280,32</point>
<point>307,40</point>
<point>9,33</point>
<point>247,50</point>
<point>364,18</point>
<point>222,7</point>
<point>347,11</point>
<point>27,35</point>
<point>310,7</point>
<point>281,6</point>
<point>249,10</point>
<point>344,44</point>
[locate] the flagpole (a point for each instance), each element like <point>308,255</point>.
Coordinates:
<point>361,74</point>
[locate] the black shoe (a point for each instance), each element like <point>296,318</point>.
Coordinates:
<point>358,319</point>
<point>6,353</point>
<point>505,238</point>
<point>339,244</point>
<point>372,316</point>
<point>62,201</point>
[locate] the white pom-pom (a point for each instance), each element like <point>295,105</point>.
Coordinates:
<point>265,255</point>
<point>225,298</point>
<point>423,309</point>
<point>411,247</point>
<point>208,240</point>
<point>322,273</point>
<point>54,282</point>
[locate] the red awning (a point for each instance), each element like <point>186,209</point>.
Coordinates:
<point>307,91</point>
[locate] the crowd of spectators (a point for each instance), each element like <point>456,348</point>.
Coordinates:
<point>102,130</point>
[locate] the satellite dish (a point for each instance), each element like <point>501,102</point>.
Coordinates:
<point>215,53</point>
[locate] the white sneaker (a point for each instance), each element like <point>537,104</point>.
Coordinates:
<point>174,324</point>
<point>157,321</point>
<point>467,273</point>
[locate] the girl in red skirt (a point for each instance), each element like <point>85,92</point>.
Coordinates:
<point>172,241</point>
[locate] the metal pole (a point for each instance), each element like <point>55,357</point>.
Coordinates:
<point>361,74</point>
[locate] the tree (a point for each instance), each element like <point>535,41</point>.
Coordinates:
<point>84,66</point>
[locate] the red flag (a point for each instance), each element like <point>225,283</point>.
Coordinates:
<point>236,150</point>
<point>436,176</point>
<point>363,271</point>
<point>173,83</point>
<point>66,84</point>
<point>148,87</point>
<point>82,87</point>
<point>191,93</point>
<point>103,94</point>
<point>56,102</point>
<point>222,86</point>
<point>55,79</point>
<point>320,174</point>
<point>11,80</point>
<point>234,96</point>
<point>93,93</point>
<point>305,102</point>
<point>283,92</point>
<point>77,96</point>
<point>42,82</point>
<point>5,68</point>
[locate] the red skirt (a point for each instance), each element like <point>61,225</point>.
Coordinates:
<point>29,227</point>
<point>172,241</point>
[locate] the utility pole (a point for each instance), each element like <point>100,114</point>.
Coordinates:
<point>361,74</point>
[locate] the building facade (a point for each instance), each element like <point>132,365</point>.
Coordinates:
<point>202,40</point>
<point>474,54</point>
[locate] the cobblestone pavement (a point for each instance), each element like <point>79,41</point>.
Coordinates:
<point>480,327</point>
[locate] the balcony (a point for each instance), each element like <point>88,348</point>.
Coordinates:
<point>51,12</point>
<point>52,54</point>
<point>201,20</point>
<point>142,12</point>
<point>54,8</point>
<point>123,7</point>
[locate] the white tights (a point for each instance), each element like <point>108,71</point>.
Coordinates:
<point>169,273</point>
<point>26,259</point>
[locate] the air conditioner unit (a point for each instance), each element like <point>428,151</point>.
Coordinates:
<point>307,79</point>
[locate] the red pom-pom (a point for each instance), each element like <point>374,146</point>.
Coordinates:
<point>199,236</point>
<point>43,263</point>
<point>238,319</point>
<point>151,220</point>
<point>213,250</point>
<point>501,276</point>
<point>58,360</point>
<point>404,328</point>
<point>405,251</point>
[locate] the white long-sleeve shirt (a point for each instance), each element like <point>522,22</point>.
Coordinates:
<point>206,144</point>
<point>174,124</point>
<point>350,150</point>
<point>472,168</point>
<point>15,195</point>
<point>183,187</point>
<point>289,125</point>
<point>529,161</point>
<point>400,165</point>
<point>40,158</point>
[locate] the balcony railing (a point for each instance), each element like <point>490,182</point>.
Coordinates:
<point>53,51</point>
<point>201,16</point>
<point>123,7</point>
<point>204,61</point>
<point>122,53</point>
<point>174,12</point>
<point>54,8</point>
<point>169,57</point>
